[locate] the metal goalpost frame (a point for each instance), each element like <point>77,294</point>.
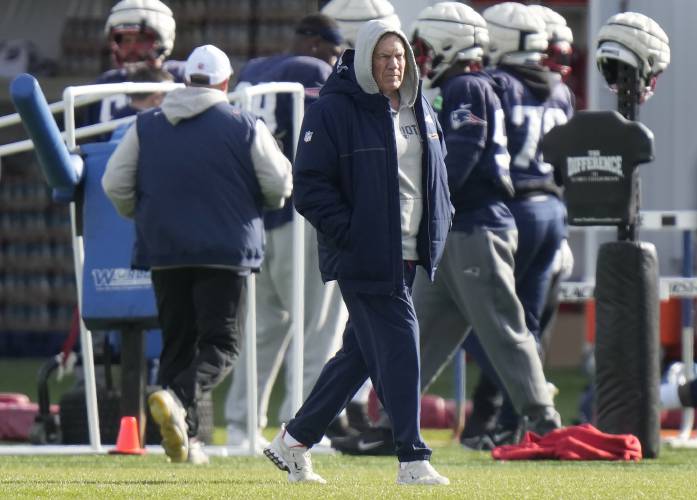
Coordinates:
<point>76,96</point>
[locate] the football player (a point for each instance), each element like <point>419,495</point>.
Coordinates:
<point>534,100</point>
<point>139,32</point>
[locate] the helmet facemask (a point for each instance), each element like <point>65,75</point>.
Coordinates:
<point>140,31</point>
<point>631,43</point>
<point>559,54</point>
<point>610,56</point>
<point>134,44</point>
<point>424,54</point>
<point>448,35</point>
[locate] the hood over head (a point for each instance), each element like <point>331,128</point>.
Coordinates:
<point>368,37</point>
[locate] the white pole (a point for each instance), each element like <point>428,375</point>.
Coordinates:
<point>298,314</point>
<point>245,98</point>
<point>251,359</point>
<point>85,339</point>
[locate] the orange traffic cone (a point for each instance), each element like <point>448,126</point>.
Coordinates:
<point>128,442</point>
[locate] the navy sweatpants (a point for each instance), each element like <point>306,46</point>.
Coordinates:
<point>541,222</point>
<point>381,341</point>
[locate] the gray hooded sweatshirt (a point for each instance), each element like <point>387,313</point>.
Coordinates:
<point>272,168</point>
<point>408,138</point>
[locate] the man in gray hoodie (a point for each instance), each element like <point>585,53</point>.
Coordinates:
<point>195,175</point>
<point>370,176</point>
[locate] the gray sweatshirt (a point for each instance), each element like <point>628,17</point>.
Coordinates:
<point>272,168</point>
<point>408,138</point>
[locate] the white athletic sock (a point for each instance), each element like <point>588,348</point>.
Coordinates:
<point>291,442</point>
<point>669,397</point>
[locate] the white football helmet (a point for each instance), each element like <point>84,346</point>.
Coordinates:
<point>555,24</point>
<point>516,33</point>
<point>559,38</point>
<point>351,14</point>
<point>636,40</point>
<point>151,20</point>
<point>445,33</point>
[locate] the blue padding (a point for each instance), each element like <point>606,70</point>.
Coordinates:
<point>113,295</point>
<point>38,121</point>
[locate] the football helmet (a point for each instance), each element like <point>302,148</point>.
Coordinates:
<point>351,14</point>
<point>139,30</point>
<point>637,40</point>
<point>516,34</point>
<point>559,38</point>
<point>445,33</point>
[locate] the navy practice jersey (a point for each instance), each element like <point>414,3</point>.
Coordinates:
<point>277,109</point>
<point>478,162</point>
<point>530,113</point>
<point>103,111</point>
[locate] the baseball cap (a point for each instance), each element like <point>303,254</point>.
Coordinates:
<point>208,64</point>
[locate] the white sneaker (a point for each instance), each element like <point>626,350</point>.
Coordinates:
<point>295,460</point>
<point>196,454</point>
<point>419,472</point>
<point>238,437</point>
<point>169,415</point>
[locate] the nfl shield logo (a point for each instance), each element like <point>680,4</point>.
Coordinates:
<point>308,136</point>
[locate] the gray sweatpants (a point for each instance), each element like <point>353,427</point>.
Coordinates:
<point>325,319</point>
<point>475,287</point>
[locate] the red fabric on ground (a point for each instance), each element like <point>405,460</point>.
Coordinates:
<point>578,442</point>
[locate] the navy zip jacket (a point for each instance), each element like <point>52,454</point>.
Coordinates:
<point>346,184</point>
<point>478,161</point>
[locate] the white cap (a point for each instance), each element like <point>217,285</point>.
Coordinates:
<point>210,61</point>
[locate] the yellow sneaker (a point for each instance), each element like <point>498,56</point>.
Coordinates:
<point>169,415</point>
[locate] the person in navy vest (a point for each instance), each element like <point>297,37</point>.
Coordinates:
<point>370,177</point>
<point>195,174</point>
<point>315,47</point>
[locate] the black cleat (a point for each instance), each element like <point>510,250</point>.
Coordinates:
<point>374,441</point>
<point>357,414</point>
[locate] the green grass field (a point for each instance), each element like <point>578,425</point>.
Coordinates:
<point>472,474</point>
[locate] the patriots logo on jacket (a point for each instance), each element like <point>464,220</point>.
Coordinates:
<point>463,116</point>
